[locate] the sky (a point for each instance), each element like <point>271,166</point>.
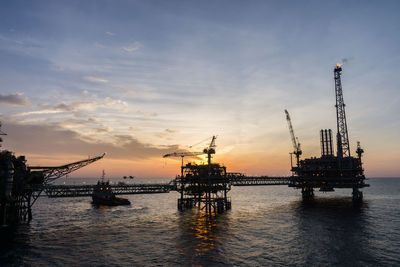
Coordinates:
<point>139,79</point>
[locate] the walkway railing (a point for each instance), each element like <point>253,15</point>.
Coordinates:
<point>87,190</point>
<point>259,180</point>
<point>128,189</point>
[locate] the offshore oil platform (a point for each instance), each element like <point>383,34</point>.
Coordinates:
<point>329,171</point>
<point>21,185</point>
<point>204,186</point>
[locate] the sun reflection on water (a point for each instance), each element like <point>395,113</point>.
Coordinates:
<point>203,227</point>
<point>201,234</point>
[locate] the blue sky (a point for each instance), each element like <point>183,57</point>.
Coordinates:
<point>157,75</point>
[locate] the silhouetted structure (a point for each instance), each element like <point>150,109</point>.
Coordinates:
<point>21,185</point>
<point>330,171</point>
<point>296,145</point>
<point>203,186</point>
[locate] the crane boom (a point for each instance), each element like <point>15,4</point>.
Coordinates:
<point>52,173</point>
<point>212,144</point>
<point>296,145</point>
<point>182,154</point>
<point>291,130</point>
<point>208,150</point>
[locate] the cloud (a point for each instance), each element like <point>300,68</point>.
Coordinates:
<point>73,123</point>
<point>111,102</point>
<point>96,79</point>
<point>110,33</point>
<point>170,131</point>
<point>166,133</point>
<point>29,120</point>
<point>37,112</point>
<point>147,114</point>
<point>16,99</point>
<point>51,139</point>
<point>132,48</point>
<point>56,68</point>
<point>103,130</point>
<point>134,128</point>
<point>93,119</point>
<point>75,106</point>
<point>99,45</point>
<point>62,107</point>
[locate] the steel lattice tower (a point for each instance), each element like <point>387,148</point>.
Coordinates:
<point>343,146</point>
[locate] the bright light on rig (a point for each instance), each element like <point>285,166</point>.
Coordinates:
<point>338,65</point>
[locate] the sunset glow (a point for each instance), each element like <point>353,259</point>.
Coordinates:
<point>79,80</point>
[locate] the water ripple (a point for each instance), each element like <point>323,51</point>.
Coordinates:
<point>266,226</point>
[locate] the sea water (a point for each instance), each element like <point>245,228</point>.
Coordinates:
<point>267,225</point>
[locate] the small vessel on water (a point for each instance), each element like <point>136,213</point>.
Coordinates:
<point>103,195</point>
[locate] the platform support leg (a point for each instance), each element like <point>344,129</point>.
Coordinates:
<point>29,214</point>
<point>4,215</point>
<point>357,195</point>
<point>307,193</point>
<point>180,204</point>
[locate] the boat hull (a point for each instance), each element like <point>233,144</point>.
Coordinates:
<point>110,202</point>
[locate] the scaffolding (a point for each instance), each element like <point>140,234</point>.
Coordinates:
<point>205,187</point>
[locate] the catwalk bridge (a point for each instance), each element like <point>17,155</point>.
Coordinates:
<point>54,191</point>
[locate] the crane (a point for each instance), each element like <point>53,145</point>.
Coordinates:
<point>295,141</point>
<point>52,173</point>
<point>208,150</point>
<point>183,154</point>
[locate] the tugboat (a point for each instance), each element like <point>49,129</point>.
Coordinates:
<point>103,195</point>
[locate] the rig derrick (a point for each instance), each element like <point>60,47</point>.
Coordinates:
<point>331,171</point>
<point>203,186</point>
<point>21,185</point>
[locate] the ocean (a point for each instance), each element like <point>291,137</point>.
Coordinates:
<point>267,225</point>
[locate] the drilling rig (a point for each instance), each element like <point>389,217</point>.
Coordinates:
<point>203,186</point>
<point>21,185</point>
<point>331,171</point>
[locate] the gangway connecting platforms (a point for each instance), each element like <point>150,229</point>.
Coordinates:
<point>54,191</point>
